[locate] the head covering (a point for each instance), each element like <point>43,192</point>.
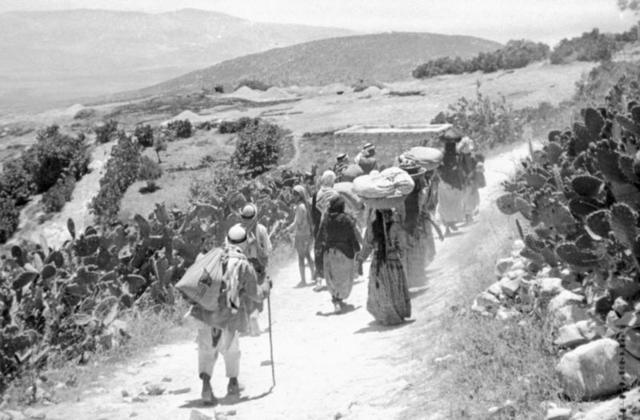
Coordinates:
<point>249,211</point>
<point>336,204</point>
<point>236,234</point>
<point>369,149</point>
<point>466,145</point>
<point>451,134</point>
<point>327,179</point>
<point>341,157</point>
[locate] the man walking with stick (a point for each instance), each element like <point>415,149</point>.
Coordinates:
<point>225,292</point>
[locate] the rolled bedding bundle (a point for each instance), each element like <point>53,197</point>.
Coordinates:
<point>385,189</point>
<point>346,190</point>
<point>427,157</point>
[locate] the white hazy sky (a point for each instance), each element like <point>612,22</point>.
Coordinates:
<point>543,20</point>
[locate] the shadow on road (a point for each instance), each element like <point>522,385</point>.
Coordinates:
<point>228,400</point>
<point>375,327</point>
<point>348,308</point>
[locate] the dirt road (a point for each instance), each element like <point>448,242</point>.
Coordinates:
<point>327,366</point>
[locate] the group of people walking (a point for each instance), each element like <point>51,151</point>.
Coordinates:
<point>334,233</point>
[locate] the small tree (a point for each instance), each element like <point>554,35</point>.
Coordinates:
<point>106,131</point>
<point>258,148</point>
<point>144,134</point>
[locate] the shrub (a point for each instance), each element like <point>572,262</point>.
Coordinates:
<point>122,171</point>
<point>54,199</point>
<point>252,84</point>
<point>590,46</point>
<point>181,128</point>
<point>516,54</point>
<point>150,187</point>
<point>144,134</point>
<point>106,131</point>
<point>9,217</point>
<point>258,148</point>
<point>53,154</point>
<point>229,127</point>
<point>612,82</point>
<point>218,89</point>
<point>16,182</point>
<point>84,114</point>
<point>487,122</point>
<point>149,170</point>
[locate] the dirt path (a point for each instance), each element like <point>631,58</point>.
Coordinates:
<point>327,366</point>
<point>55,230</point>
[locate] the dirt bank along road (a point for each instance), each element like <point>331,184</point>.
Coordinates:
<point>327,366</point>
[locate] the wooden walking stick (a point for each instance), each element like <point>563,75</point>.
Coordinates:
<point>273,368</point>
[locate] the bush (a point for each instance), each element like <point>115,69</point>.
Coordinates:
<point>16,182</point>
<point>53,154</point>
<point>106,131</point>
<point>55,198</point>
<point>516,54</point>
<point>218,89</point>
<point>149,170</point>
<point>9,217</point>
<point>122,170</point>
<point>144,134</point>
<point>253,84</point>
<point>611,82</point>
<point>229,127</point>
<point>150,187</point>
<point>591,46</point>
<point>258,148</point>
<point>181,128</point>
<point>487,122</point>
<point>84,114</point>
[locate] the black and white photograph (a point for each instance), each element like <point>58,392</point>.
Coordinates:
<point>319,210</point>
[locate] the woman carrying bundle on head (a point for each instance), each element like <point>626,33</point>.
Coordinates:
<point>451,186</point>
<point>388,297</point>
<point>338,239</point>
<point>418,206</point>
<point>302,227</point>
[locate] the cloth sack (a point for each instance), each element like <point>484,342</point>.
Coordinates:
<point>202,282</point>
<point>392,182</point>
<point>351,172</point>
<point>427,157</point>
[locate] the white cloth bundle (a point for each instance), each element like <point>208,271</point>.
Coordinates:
<point>392,182</point>
<point>427,157</point>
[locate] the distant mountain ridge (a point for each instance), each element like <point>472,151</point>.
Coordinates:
<point>383,57</point>
<point>83,52</point>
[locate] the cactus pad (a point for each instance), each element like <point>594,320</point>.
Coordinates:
<point>626,167</point>
<point>71,227</point>
<point>623,224</point>
<point>533,242</point>
<point>582,138</point>
<point>506,204</point>
<point>535,180</point>
<point>628,125</point>
<point>135,283</point>
<point>608,163</point>
<point>554,151</point>
<point>86,245</point>
<point>594,123</point>
<point>24,279</point>
<point>586,185</point>
<point>48,271</point>
<point>572,255</point>
<point>598,224</point>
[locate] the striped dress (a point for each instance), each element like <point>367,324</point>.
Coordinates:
<point>388,294</point>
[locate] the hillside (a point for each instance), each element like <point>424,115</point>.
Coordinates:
<point>384,57</point>
<point>63,54</point>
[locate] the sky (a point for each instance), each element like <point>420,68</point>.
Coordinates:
<point>500,20</point>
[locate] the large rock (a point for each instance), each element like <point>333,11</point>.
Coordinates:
<point>550,286</point>
<point>581,332</point>
<point>564,298</point>
<point>503,265</point>
<point>487,302</point>
<point>495,289</point>
<point>569,314</point>
<point>632,342</point>
<point>620,306</point>
<point>510,286</point>
<point>591,370</point>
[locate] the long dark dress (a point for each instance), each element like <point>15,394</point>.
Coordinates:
<point>388,298</point>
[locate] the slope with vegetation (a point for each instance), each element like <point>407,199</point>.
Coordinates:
<point>383,57</point>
